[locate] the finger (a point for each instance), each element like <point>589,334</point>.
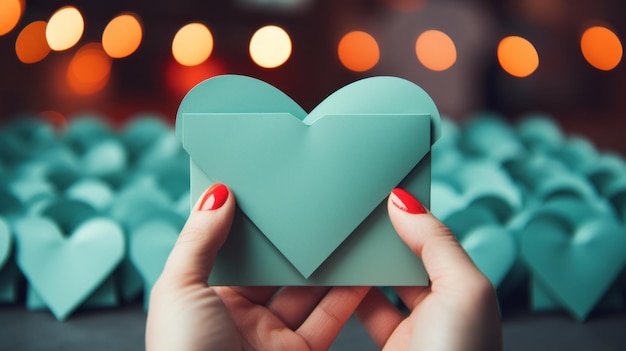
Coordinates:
<point>191,258</point>
<point>412,295</point>
<point>259,295</point>
<point>293,304</point>
<point>378,316</point>
<point>446,262</point>
<point>325,322</point>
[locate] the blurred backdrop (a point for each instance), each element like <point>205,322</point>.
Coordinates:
<point>118,58</point>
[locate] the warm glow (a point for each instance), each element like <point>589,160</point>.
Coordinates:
<point>31,45</point>
<point>65,28</point>
<point>517,56</point>
<point>405,5</point>
<point>56,118</point>
<point>192,44</point>
<point>601,48</point>
<point>358,51</point>
<point>435,50</point>
<point>270,47</point>
<point>122,36</point>
<point>10,13</point>
<point>89,70</point>
<point>180,79</point>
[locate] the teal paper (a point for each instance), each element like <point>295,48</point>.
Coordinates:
<point>66,271</point>
<point>150,245</point>
<point>105,296</point>
<point>575,252</point>
<point>311,188</point>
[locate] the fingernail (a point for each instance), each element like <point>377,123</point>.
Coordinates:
<point>214,198</point>
<point>403,200</point>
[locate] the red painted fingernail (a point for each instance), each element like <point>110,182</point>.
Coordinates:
<point>214,198</point>
<point>406,202</point>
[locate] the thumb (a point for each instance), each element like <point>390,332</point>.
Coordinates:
<point>446,262</point>
<point>191,258</point>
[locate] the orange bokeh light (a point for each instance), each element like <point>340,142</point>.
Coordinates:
<point>517,56</point>
<point>358,51</point>
<point>10,14</point>
<point>435,50</point>
<point>31,45</point>
<point>65,28</point>
<point>122,36</point>
<point>270,47</point>
<point>192,44</point>
<point>601,48</point>
<point>89,70</point>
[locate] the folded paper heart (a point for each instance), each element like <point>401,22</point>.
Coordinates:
<point>66,271</point>
<point>490,245</point>
<point>475,182</point>
<point>6,243</point>
<point>150,245</point>
<point>307,182</point>
<point>574,252</point>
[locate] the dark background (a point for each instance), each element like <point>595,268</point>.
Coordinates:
<point>585,100</point>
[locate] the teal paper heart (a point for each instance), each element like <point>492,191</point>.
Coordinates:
<point>491,246</point>
<point>150,245</point>
<point>574,253</point>
<point>66,271</point>
<point>6,243</point>
<point>475,182</point>
<point>284,165</point>
<point>491,137</point>
<point>540,133</point>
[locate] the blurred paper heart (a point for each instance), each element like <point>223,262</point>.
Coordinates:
<point>65,271</point>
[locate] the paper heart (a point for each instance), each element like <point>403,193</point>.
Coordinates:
<point>491,137</point>
<point>104,158</point>
<point>491,246</point>
<point>604,172</point>
<point>544,177</point>
<point>540,133</point>
<point>575,253</point>
<point>6,243</point>
<point>142,132</point>
<point>84,131</point>
<point>150,245</point>
<point>476,182</point>
<point>66,271</point>
<point>94,192</point>
<point>286,148</point>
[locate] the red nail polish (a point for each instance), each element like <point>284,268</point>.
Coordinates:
<point>406,202</point>
<point>214,198</point>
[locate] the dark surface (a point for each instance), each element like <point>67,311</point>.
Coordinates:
<point>123,329</point>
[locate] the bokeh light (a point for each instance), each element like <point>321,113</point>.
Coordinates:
<point>89,70</point>
<point>517,56</point>
<point>601,48</point>
<point>65,28</point>
<point>192,44</point>
<point>10,14</point>
<point>405,5</point>
<point>435,50</point>
<point>31,45</point>
<point>358,51</point>
<point>270,47</point>
<point>122,36</point>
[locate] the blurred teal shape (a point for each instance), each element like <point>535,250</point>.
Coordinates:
<point>575,251</point>
<point>150,245</point>
<point>65,271</point>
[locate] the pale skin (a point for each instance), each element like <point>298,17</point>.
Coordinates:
<point>458,311</point>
